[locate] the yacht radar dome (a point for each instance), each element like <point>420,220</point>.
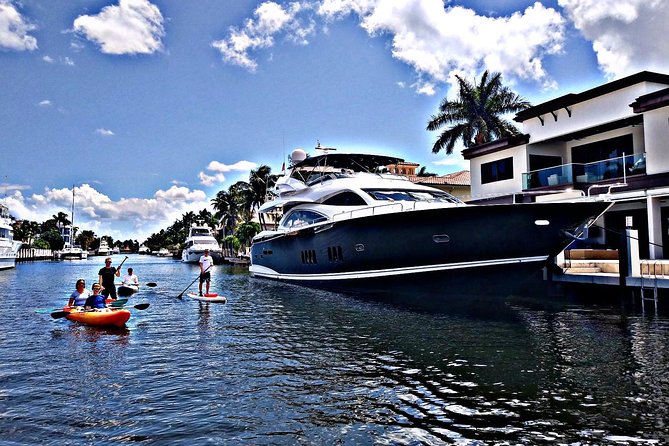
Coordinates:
<point>298,155</point>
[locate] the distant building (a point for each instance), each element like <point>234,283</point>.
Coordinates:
<point>611,140</point>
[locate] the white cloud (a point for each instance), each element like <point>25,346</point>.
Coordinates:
<point>132,27</point>
<point>215,166</point>
<point>435,39</point>
<point>627,36</point>
<point>104,132</point>
<point>270,18</point>
<point>48,59</point>
<point>219,169</point>
<point>210,180</point>
<point>14,29</point>
<point>126,218</point>
<point>438,42</point>
<point>45,103</point>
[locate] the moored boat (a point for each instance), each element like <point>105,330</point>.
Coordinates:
<point>70,251</point>
<point>104,317</point>
<point>348,225</point>
<point>103,249</point>
<point>163,252</point>
<point>8,246</point>
<point>201,237</point>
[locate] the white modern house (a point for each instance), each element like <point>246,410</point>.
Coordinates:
<point>612,140</point>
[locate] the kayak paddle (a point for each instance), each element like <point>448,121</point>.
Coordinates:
<point>191,284</point>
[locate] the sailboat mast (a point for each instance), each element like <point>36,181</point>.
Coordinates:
<point>72,214</point>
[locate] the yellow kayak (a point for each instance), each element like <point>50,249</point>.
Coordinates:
<point>102,317</point>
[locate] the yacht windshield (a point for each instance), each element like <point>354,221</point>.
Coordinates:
<point>412,195</point>
<point>302,218</point>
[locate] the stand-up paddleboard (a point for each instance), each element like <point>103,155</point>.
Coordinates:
<point>210,297</point>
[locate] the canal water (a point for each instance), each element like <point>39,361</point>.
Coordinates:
<point>283,364</point>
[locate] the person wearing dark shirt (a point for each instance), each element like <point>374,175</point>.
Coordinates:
<point>106,278</point>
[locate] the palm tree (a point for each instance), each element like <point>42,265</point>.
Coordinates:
<point>424,173</point>
<point>475,117</point>
<point>261,181</point>
<point>61,219</point>
<point>226,210</point>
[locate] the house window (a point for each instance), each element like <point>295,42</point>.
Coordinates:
<point>538,162</point>
<point>603,150</point>
<point>497,170</point>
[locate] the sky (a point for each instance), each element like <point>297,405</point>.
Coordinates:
<point>148,108</point>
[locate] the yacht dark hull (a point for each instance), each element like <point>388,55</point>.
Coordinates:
<point>410,247</point>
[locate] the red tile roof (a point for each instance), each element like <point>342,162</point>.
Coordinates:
<point>461,178</point>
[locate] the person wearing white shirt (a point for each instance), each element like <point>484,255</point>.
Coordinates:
<point>206,262</point>
<point>130,279</point>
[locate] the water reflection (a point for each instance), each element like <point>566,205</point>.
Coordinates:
<point>284,364</point>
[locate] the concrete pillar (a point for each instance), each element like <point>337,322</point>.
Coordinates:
<point>634,262</point>
<point>654,227</point>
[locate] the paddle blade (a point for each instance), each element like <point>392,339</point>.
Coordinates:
<point>118,303</point>
<point>151,284</point>
<point>59,314</point>
<point>142,306</point>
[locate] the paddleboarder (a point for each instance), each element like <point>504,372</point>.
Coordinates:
<point>106,278</point>
<point>206,262</point>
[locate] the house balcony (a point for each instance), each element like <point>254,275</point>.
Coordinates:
<point>581,174</point>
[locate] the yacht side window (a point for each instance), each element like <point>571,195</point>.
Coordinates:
<point>301,218</point>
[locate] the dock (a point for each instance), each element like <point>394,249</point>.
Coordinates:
<point>31,254</point>
<point>645,278</point>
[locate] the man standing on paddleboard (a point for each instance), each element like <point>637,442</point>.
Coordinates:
<point>206,262</point>
<point>106,278</point>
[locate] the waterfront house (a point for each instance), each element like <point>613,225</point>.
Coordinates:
<point>612,140</point>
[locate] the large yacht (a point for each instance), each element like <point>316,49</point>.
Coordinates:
<point>201,237</point>
<point>8,246</point>
<point>344,223</point>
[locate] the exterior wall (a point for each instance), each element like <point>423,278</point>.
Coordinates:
<point>513,185</point>
<point>596,111</point>
<point>656,125</point>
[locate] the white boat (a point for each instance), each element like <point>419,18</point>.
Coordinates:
<point>163,252</point>
<point>8,246</point>
<point>144,250</point>
<point>103,249</point>
<point>201,237</point>
<point>348,225</point>
<point>70,251</point>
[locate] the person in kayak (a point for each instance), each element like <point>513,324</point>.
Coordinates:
<point>79,295</point>
<point>130,279</point>
<point>106,278</point>
<point>96,300</point>
<point>206,262</point>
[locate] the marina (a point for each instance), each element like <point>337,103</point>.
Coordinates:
<point>285,364</point>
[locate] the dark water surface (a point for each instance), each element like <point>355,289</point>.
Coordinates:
<point>289,365</point>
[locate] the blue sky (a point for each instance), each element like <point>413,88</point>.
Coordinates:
<point>148,108</point>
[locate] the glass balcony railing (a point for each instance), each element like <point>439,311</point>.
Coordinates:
<point>578,173</point>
